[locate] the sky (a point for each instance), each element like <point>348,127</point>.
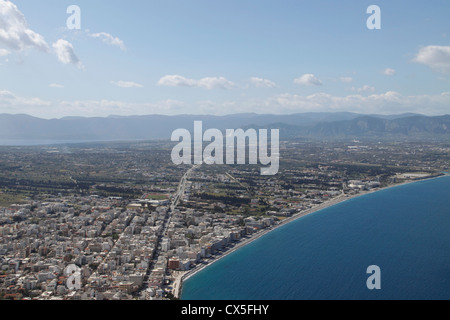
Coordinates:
<point>220,57</point>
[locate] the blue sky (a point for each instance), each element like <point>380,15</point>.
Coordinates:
<point>220,57</point>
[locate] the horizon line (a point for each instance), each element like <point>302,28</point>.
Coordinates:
<point>410,114</point>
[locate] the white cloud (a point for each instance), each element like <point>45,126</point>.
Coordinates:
<point>6,95</point>
<point>308,80</point>
<point>66,54</point>
<point>11,103</point>
<point>17,36</point>
<point>384,103</point>
<point>177,81</point>
<point>4,52</point>
<point>127,84</point>
<point>208,83</point>
<point>347,79</point>
<point>56,85</point>
<point>14,30</point>
<point>435,57</point>
<point>109,39</point>
<point>365,88</point>
<point>263,83</point>
<point>215,83</point>
<point>103,108</point>
<point>389,72</point>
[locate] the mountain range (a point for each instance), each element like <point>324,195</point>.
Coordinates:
<point>157,127</point>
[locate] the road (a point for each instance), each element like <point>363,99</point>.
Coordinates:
<point>182,187</point>
<point>179,195</point>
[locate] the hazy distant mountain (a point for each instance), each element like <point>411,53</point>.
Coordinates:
<point>366,126</point>
<point>144,127</point>
<point>330,125</point>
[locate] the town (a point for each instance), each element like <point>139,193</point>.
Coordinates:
<point>135,225</point>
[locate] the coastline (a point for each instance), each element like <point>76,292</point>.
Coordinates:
<point>183,276</point>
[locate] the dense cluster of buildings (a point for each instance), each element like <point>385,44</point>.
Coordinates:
<point>120,253</point>
<point>111,246</point>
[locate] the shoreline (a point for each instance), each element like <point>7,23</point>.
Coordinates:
<point>183,276</point>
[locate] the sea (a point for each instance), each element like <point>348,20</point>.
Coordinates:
<point>46,143</point>
<point>404,231</point>
<point>37,142</point>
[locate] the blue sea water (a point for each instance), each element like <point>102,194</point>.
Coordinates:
<point>404,230</point>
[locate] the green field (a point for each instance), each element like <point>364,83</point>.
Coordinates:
<point>156,196</point>
<point>7,199</point>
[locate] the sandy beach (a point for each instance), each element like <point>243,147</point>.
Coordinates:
<point>180,277</point>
